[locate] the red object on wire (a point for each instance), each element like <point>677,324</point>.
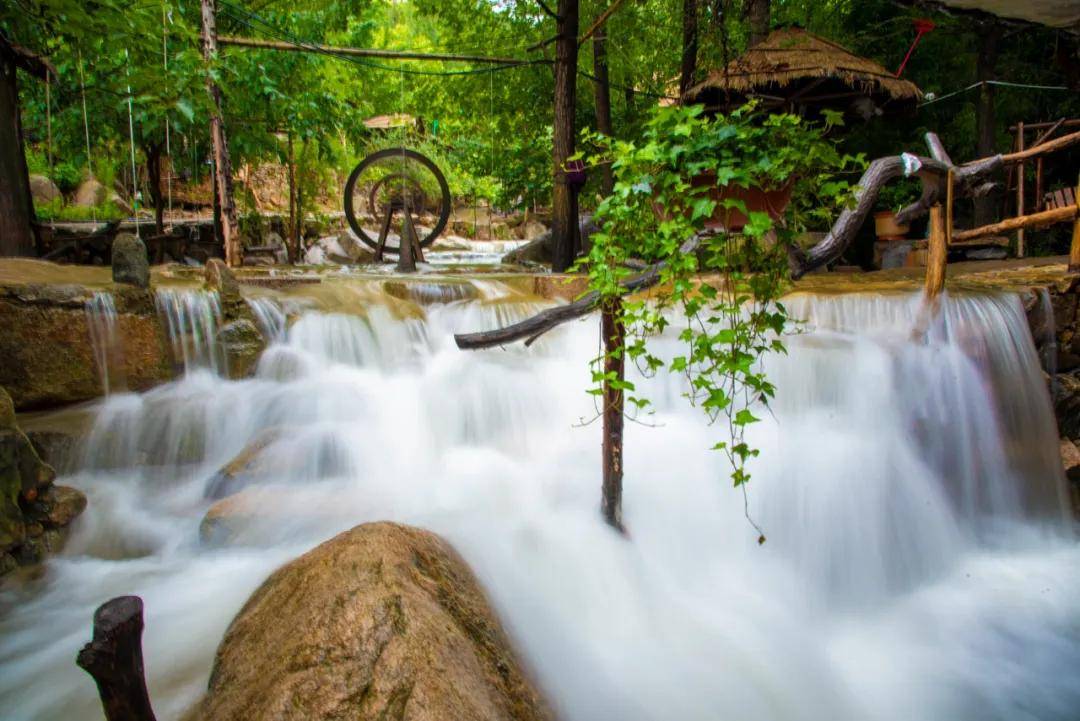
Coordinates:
<point>922,26</point>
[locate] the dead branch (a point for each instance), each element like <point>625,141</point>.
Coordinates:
<point>114,658</point>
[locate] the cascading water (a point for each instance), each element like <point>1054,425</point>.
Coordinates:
<point>192,318</point>
<point>101,321</point>
<point>270,317</point>
<point>919,564</point>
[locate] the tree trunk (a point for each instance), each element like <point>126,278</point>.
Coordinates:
<point>985,128</point>
<point>222,165</point>
<point>114,658</point>
<point>293,242</point>
<point>564,201</point>
<point>689,45</point>
<point>602,94</point>
<point>153,179</point>
<point>16,204</point>
<point>759,15</point>
<point>611,328</point>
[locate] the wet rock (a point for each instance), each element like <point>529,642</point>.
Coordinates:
<point>47,357</point>
<point>1066,395</point>
<point>43,190</point>
<point>429,293</point>
<point>90,193</point>
<point>244,468</point>
<point>58,506</point>
<point>23,475</point>
<point>381,622</point>
<point>531,230</point>
<point>217,276</point>
<point>242,343</point>
<point>130,263</point>
<point>7,563</point>
<point>356,251</point>
<point>57,448</point>
<point>263,515</point>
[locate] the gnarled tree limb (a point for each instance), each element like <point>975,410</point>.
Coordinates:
<point>969,179</point>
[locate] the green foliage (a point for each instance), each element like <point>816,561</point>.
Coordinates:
<point>671,186</point>
<point>57,210</point>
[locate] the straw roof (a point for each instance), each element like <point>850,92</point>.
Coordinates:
<point>792,65</point>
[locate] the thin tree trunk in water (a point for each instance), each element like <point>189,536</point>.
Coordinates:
<point>611,328</point>
<point>985,128</point>
<point>602,94</point>
<point>759,15</point>
<point>294,224</point>
<point>219,234</point>
<point>689,45</point>
<point>16,204</point>
<point>153,178</point>
<point>222,166</point>
<point>115,659</point>
<point>564,201</point>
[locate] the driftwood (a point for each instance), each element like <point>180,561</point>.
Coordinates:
<point>970,179</point>
<point>114,658</point>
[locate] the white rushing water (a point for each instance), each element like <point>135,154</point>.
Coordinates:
<point>101,322</point>
<point>919,564</point>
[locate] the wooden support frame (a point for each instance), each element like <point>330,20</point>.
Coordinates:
<point>1074,249</point>
<point>938,258</point>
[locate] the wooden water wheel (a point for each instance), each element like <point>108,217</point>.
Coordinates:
<point>397,201</point>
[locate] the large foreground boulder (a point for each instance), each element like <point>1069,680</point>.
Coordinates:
<point>381,622</point>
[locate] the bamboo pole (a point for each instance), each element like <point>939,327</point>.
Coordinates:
<point>1020,189</point>
<point>938,255</point>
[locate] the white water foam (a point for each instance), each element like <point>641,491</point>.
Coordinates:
<point>919,564</point>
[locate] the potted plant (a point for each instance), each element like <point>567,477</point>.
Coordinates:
<point>893,198</point>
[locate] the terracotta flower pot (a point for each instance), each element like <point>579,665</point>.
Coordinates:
<point>886,227</point>
<point>772,201</point>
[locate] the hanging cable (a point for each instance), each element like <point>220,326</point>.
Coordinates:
<point>131,137</point>
<point>48,120</point>
<point>86,131</point>
<point>165,65</point>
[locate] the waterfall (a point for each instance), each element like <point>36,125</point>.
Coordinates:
<point>919,562</point>
<point>270,317</point>
<point>192,318</point>
<point>101,322</point>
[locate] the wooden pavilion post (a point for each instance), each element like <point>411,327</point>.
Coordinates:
<point>230,228</point>
<point>938,254</point>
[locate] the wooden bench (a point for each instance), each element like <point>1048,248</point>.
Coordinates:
<point>1062,198</point>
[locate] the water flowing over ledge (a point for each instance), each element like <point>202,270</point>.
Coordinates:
<point>919,562</point>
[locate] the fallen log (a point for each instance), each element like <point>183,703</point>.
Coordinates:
<point>532,328</point>
<point>114,658</point>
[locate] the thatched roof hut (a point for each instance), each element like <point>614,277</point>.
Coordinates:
<point>797,71</point>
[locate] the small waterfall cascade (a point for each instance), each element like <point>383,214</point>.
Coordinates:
<point>104,339</point>
<point>192,318</point>
<point>919,564</point>
<point>270,316</point>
